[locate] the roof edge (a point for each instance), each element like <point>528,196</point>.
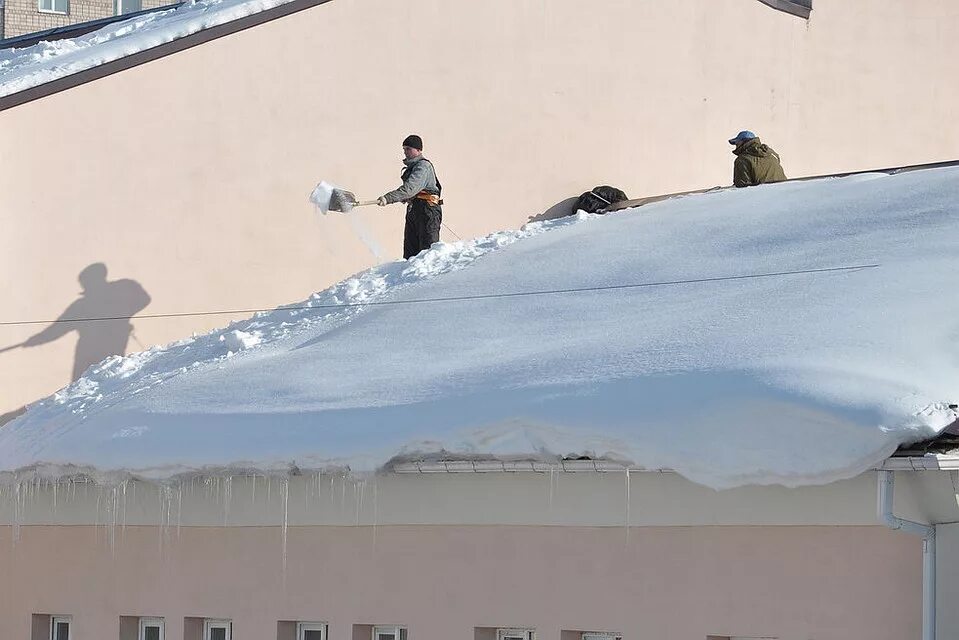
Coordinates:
<point>638,202</point>
<point>454,465</point>
<point>928,462</point>
<point>76,29</point>
<point>155,53</point>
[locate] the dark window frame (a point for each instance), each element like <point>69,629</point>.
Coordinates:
<point>64,11</point>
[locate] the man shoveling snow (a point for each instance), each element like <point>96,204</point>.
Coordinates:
<point>420,191</point>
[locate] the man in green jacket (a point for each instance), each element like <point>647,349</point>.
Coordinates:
<point>756,163</point>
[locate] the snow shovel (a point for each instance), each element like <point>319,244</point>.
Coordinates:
<point>344,201</point>
<point>328,198</point>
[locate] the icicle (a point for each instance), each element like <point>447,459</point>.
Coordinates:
<point>16,511</point>
<point>627,505</point>
<point>359,489</point>
<point>376,514</point>
<point>552,470</point>
<point>124,525</point>
<point>179,509</point>
<point>227,497</point>
<point>286,517</point>
<point>96,520</point>
<point>166,518</point>
<point>113,525</point>
<point>160,528</point>
<point>168,504</point>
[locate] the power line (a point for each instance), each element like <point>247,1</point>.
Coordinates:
<point>466,298</point>
<point>451,231</point>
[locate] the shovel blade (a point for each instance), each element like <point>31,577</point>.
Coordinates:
<point>328,198</point>
<point>342,201</point>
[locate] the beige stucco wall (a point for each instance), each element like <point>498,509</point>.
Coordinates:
<point>189,174</point>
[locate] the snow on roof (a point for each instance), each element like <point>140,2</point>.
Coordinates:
<point>794,333</point>
<point>31,66</point>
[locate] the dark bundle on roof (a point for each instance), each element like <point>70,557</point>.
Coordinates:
<point>596,200</point>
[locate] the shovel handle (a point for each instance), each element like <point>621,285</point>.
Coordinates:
<point>364,203</point>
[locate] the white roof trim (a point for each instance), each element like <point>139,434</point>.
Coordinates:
<point>494,466</point>
<point>929,462</point>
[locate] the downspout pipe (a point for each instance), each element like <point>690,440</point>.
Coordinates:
<point>928,532</point>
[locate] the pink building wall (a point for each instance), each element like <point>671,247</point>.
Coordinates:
<point>669,583</point>
<point>446,553</point>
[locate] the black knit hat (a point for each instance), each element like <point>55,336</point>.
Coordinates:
<point>413,141</point>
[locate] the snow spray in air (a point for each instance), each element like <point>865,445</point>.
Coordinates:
<point>320,197</point>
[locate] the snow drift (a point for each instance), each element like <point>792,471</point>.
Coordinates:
<point>794,333</point>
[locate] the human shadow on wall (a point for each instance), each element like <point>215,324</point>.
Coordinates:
<point>101,318</point>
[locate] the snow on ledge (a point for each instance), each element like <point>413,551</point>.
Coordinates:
<point>22,69</point>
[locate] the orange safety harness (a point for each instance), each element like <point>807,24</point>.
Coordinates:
<point>430,198</point>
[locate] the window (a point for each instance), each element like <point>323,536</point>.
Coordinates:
<point>389,633</point>
<point>217,629</point>
<point>126,6</point>
<point>60,628</point>
<point>54,6</point>
<point>592,635</point>
<point>310,631</point>
<point>515,634</point>
<point>150,629</point>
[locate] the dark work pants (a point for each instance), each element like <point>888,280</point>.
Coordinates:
<point>423,221</point>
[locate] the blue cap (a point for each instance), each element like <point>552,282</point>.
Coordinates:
<point>742,136</point>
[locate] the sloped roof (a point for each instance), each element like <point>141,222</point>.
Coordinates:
<point>792,333</point>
